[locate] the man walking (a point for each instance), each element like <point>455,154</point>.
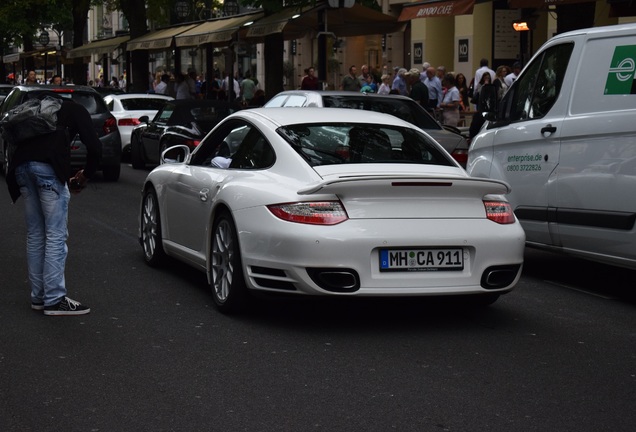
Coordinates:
<point>351,82</point>
<point>39,171</point>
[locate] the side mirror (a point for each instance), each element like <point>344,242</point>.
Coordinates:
<point>176,154</point>
<point>144,119</point>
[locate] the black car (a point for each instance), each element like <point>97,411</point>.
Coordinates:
<point>103,121</point>
<point>178,122</point>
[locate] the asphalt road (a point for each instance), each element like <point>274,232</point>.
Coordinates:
<point>556,354</point>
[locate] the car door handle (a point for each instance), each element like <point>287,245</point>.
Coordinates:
<point>548,129</point>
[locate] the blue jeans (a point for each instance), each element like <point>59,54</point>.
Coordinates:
<point>46,210</point>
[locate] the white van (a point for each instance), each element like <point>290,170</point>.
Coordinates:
<point>565,140</point>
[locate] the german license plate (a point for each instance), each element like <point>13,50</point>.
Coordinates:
<point>421,259</point>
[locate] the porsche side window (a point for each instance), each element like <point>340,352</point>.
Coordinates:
<point>536,91</point>
<point>222,142</point>
<point>253,153</point>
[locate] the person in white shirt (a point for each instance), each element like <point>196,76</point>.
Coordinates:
<point>182,88</point>
<point>163,84</point>
<point>511,77</point>
<point>483,68</point>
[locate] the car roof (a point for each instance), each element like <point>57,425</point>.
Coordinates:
<point>288,116</point>
<point>138,96</point>
<point>342,93</point>
<point>63,88</point>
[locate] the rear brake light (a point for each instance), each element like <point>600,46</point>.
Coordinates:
<point>461,156</point>
<point>110,125</point>
<point>314,213</point>
<point>129,122</point>
<point>499,211</point>
<point>192,143</point>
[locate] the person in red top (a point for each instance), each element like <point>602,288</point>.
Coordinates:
<point>310,82</point>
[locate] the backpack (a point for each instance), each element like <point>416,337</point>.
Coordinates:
<point>31,119</point>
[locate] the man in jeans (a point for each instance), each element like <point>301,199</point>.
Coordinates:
<point>39,171</point>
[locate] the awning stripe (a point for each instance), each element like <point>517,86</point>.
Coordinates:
<point>99,47</point>
<point>216,31</point>
<point>158,39</point>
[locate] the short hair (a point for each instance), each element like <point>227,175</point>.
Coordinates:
<point>483,62</point>
<point>351,67</point>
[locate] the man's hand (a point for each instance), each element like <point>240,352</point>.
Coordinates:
<point>77,182</point>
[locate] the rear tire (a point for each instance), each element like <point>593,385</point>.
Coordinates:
<point>150,224</point>
<point>227,279</point>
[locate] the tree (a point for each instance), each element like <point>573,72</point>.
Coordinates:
<point>274,43</point>
<point>21,22</point>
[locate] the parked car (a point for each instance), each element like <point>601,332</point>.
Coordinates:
<point>329,202</point>
<point>563,138</point>
<point>5,89</point>
<point>177,122</point>
<point>399,106</point>
<point>128,107</point>
<point>103,121</point>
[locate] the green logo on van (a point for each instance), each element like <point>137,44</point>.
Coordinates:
<point>620,78</point>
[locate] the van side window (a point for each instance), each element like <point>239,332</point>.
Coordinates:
<point>538,88</point>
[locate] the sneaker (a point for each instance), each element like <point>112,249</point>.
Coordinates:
<point>37,306</point>
<point>67,307</point>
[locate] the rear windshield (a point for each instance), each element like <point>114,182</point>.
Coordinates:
<point>143,104</point>
<point>407,110</point>
<point>343,143</point>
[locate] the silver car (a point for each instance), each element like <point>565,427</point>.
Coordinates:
<point>400,106</point>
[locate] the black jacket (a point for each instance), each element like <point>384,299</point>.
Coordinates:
<point>55,149</point>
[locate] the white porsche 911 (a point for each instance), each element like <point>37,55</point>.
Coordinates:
<point>329,202</point>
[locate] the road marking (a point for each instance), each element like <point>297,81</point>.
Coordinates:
<point>580,290</point>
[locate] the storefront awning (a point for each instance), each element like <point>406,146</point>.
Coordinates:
<point>11,58</point>
<point>541,4</point>
<point>215,31</point>
<point>158,39</point>
<point>99,47</point>
<point>432,9</point>
<point>354,21</point>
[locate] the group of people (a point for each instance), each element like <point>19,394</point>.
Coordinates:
<point>244,88</point>
<point>444,94</point>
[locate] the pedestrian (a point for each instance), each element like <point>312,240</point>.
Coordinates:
<point>450,103</point>
<point>385,87</point>
<point>182,89</point>
<point>419,91</point>
<point>399,83</point>
<point>31,78</point>
<point>310,81</point>
<point>247,88</point>
<point>39,171</point>
<point>351,82</point>
<point>162,86</point>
